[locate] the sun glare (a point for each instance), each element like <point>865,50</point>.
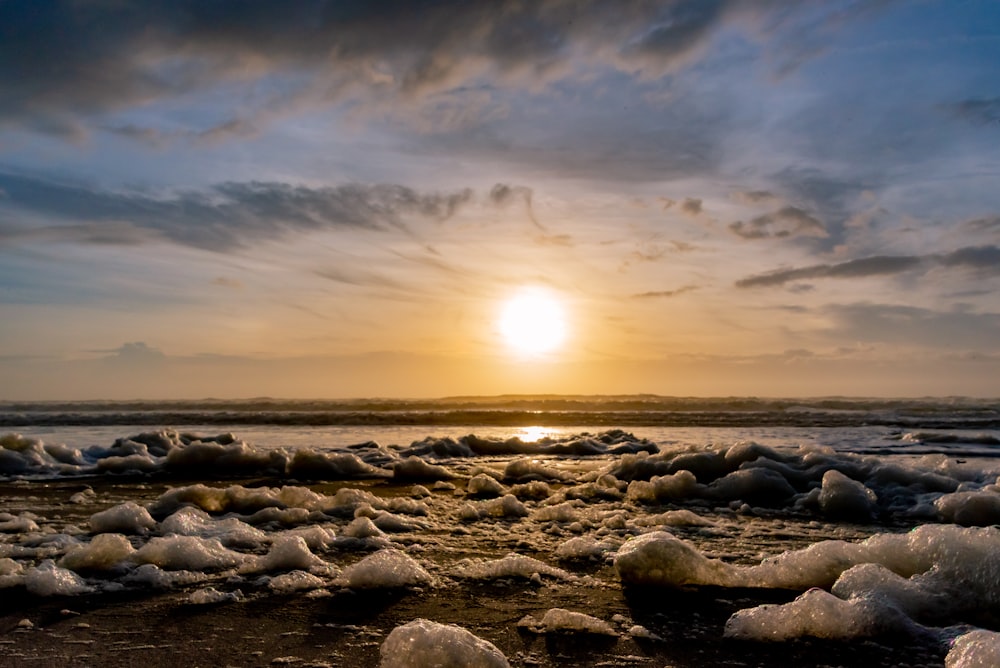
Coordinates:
<point>532,322</point>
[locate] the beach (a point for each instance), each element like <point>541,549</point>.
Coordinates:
<point>346,628</point>
<point>838,545</point>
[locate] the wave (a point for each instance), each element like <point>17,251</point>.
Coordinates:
<point>184,455</point>
<point>652,415</point>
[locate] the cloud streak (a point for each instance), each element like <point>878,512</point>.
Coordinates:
<point>981,258</point>
<point>788,221</point>
<point>219,218</point>
<point>660,294</point>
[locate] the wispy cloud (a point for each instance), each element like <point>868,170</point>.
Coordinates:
<point>983,258</point>
<point>221,217</point>
<point>788,221</point>
<point>660,294</point>
<point>979,111</point>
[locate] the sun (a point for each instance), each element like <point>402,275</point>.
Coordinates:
<point>532,322</point>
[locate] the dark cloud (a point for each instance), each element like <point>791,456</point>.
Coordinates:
<point>135,353</point>
<point>756,197</point>
<point>65,61</point>
<point>691,206</point>
<point>979,111</point>
<point>657,294</point>
<point>974,257</point>
<point>981,258</point>
<point>502,194</point>
<point>788,221</point>
<point>219,218</point>
<point>226,282</point>
<point>360,278</point>
<point>988,224</point>
<point>830,198</point>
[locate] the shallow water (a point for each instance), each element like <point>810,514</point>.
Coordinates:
<point>719,534</point>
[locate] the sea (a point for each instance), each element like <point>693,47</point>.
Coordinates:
<point>574,530</point>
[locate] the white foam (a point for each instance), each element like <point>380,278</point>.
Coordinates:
<point>295,581</point>
<point>560,620</point>
<point>484,485</point>
<point>151,575</point>
<point>289,553</point>
<point>105,551</point>
<point>386,569</point>
<point>512,565</point>
<point>363,527</point>
<point>316,537</point>
<point>415,468</point>
<point>423,643</point>
<point>585,547</point>
<point>969,508</point>
<point>313,465</point>
<point>188,553</point>
<point>842,497</point>
<point>212,596</point>
<point>231,532</point>
<point>526,469</point>
<point>47,579</point>
<point>976,649</point>
<point>128,517</point>
<point>816,613</point>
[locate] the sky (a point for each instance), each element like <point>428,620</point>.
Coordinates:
<point>221,198</point>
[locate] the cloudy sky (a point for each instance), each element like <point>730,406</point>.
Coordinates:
<point>336,199</point>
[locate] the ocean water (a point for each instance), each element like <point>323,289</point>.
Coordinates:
<point>647,531</point>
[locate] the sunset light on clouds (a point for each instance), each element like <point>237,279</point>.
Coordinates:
<point>340,199</point>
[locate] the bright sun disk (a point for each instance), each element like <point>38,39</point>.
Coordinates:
<point>532,322</point>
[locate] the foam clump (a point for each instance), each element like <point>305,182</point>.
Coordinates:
<point>513,565</point>
<point>507,506</point>
<point>386,569</point>
<point>288,553</point>
<point>422,643</point>
<point>244,500</point>
<point>104,552</point>
<point>230,531</point>
<point>842,497</point>
<point>295,581</point>
<point>483,485</point>
<point>363,527</point>
<point>151,575</point>
<point>969,508</point>
<point>976,649</point>
<point>17,524</point>
<point>675,518</point>
<point>584,547</point>
<point>816,613</point>
<point>526,470</point>
<point>560,620</point>
<point>47,579</point>
<point>312,465</point>
<point>188,553</point>
<point>415,468</point>
<point>212,596</point>
<point>128,517</point>
<point>660,558</point>
<point>316,537</point>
